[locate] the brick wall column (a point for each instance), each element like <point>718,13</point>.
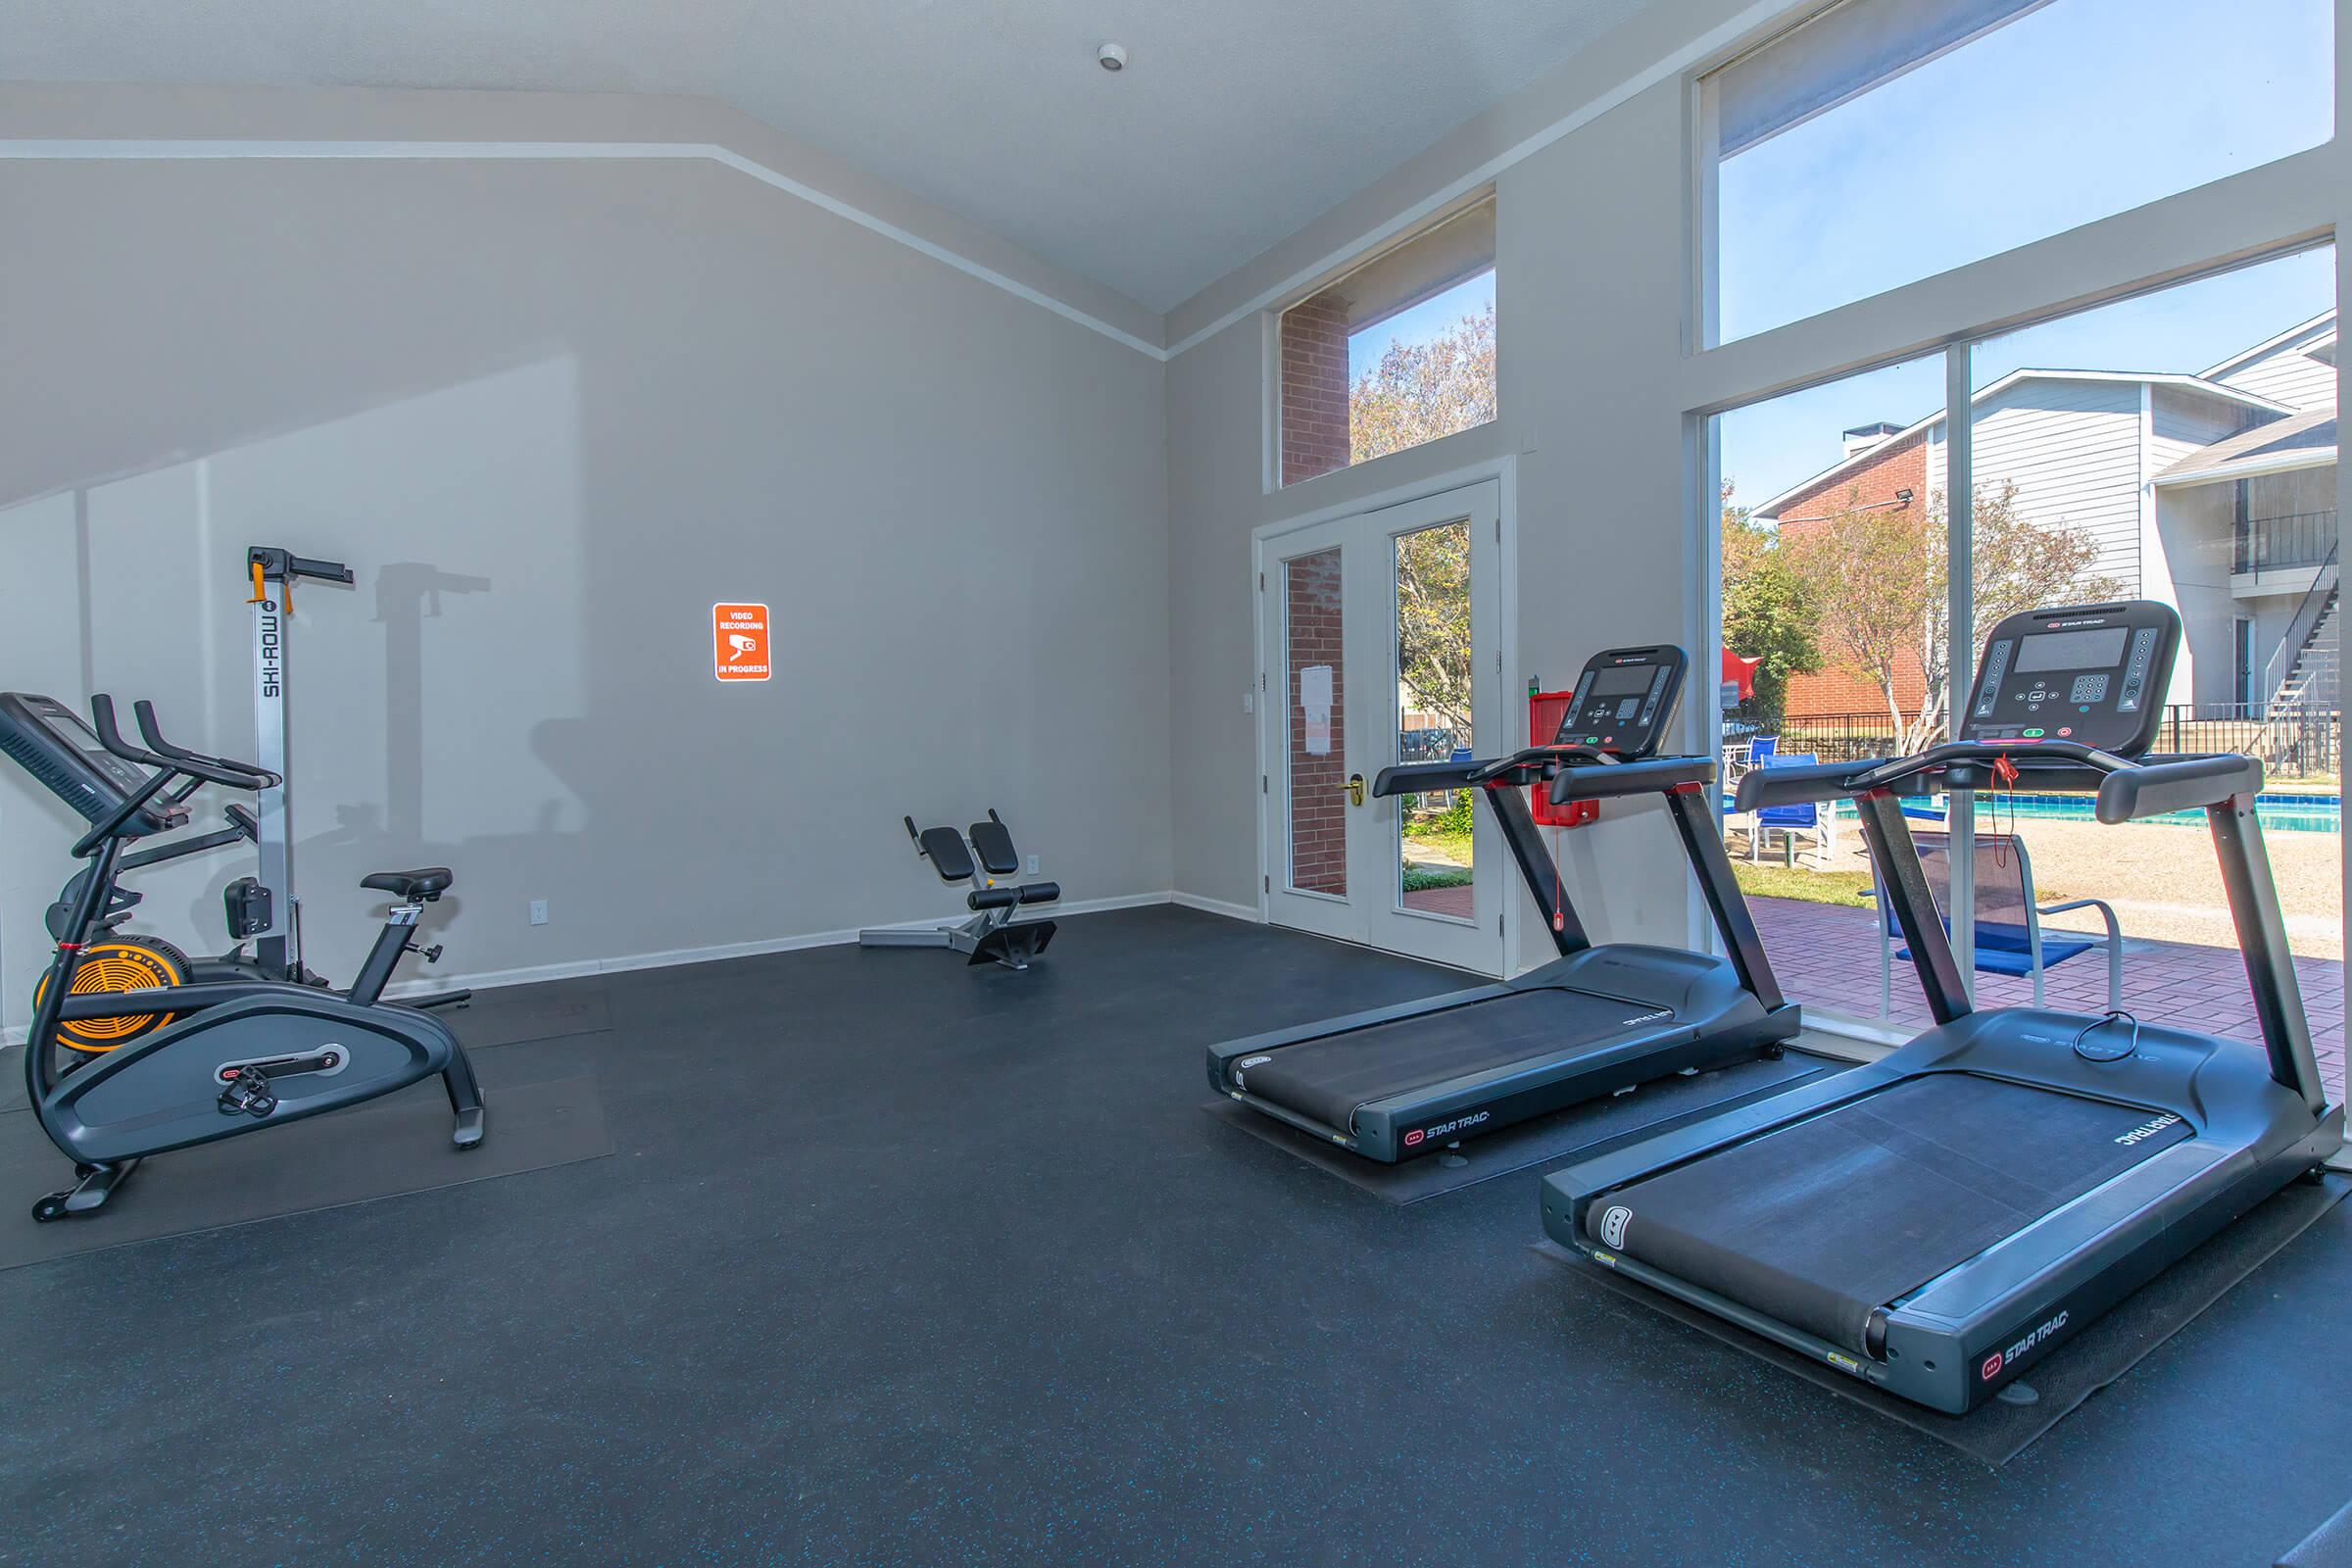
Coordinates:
<point>1318,810</point>
<point>1314,388</point>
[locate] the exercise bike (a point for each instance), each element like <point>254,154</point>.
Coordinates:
<point>195,1060</point>
<point>261,910</point>
<point>144,959</point>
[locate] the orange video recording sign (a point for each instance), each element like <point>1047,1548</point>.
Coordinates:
<point>739,641</point>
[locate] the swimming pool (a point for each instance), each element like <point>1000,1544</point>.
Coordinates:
<point>2279,814</point>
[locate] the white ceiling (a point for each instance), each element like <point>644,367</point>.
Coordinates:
<point>1237,122</point>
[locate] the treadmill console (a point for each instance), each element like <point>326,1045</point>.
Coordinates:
<point>1624,701</point>
<point>2093,675</point>
<point>50,740</point>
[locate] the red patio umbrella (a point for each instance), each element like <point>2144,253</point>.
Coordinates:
<point>1741,672</point>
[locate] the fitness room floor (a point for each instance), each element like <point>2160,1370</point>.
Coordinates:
<point>900,1261</point>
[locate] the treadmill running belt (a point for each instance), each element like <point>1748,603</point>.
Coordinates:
<point>1330,1076</point>
<point>1821,1223</point>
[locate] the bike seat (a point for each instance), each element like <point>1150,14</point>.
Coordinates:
<point>425,883</point>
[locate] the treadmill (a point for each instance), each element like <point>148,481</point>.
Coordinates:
<point>1937,1222</point>
<point>1395,1083</point>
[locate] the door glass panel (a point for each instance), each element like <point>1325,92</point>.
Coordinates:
<point>1314,676</point>
<point>1434,682</point>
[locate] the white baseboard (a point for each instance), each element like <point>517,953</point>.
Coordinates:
<point>726,950</point>
<point>1231,911</point>
<point>676,957</point>
<point>533,974</point>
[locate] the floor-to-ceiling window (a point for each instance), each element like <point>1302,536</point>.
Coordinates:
<point>2176,443</point>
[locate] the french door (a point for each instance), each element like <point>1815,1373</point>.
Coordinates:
<point>1382,643</point>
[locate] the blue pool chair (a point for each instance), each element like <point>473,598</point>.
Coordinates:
<point>2010,939</point>
<point>1816,817</point>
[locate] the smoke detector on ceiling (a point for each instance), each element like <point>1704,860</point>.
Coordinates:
<point>1111,57</point>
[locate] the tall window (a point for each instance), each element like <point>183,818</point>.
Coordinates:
<point>2179,447</point>
<point>2202,404</point>
<point>1827,569</point>
<point>1886,141</point>
<point>1398,353</point>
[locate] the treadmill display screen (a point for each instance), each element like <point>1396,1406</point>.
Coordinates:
<point>1623,700</point>
<point>2102,649</point>
<point>2092,675</point>
<point>1624,680</point>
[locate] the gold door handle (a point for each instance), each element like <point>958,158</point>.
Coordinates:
<point>1354,788</point>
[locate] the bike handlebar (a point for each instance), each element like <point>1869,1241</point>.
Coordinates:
<point>152,732</point>
<point>171,758</point>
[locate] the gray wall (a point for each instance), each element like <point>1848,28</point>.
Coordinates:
<point>552,412</point>
<point>1590,278</point>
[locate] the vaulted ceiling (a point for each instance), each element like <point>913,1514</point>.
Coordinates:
<point>1236,122</point>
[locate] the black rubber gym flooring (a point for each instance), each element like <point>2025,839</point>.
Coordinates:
<point>900,1261</point>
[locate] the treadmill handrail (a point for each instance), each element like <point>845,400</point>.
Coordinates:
<point>1529,766</point>
<point>1600,780</point>
<point>1413,779</point>
<point>2187,783</point>
<point>1950,754</point>
<point>1797,783</point>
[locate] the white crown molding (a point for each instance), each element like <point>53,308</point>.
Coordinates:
<point>153,150</point>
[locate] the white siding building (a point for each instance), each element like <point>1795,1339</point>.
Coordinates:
<point>2214,493</point>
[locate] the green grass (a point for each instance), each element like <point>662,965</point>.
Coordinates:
<point>1814,887</point>
<point>1842,888</point>
<point>1419,879</point>
<point>1431,840</point>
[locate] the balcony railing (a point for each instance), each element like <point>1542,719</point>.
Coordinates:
<point>2274,544</point>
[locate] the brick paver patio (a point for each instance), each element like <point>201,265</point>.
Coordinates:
<point>1827,957</point>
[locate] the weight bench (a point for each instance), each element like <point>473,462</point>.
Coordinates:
<point>992,935</point>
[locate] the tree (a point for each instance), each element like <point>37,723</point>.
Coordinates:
<point>1877,581</point>
<point>1418,392</point>
<point>1865,575</point>
<point>1433,620</point>
<point>1767,614</point>
<point>1421,391</point>
<point>2015,565</point>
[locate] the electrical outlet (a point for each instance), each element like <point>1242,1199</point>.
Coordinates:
<point>1033,865</point>
<point>1249,702</point>
<point>538,912</point>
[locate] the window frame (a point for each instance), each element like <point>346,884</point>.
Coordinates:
<point>2243,218</point>
<point>1270,343</point>
<point>1703,203</point>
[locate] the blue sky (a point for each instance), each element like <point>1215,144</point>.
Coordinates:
<point>1423,321</point>
<point>2077,111</point>
<point>2080,110</point>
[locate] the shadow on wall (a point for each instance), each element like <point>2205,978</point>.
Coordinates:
<point>413,735</point>
<point>556,412</point>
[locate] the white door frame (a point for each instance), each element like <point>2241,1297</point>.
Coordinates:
<point>1504,472</point>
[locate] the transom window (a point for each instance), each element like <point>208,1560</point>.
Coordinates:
<point>1398,352</point>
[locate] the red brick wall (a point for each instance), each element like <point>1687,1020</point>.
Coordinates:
<point>1903,465</point>
<point>1314,388</point>
<point>1318,809</point>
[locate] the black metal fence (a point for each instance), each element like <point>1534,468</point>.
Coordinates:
<point>2295,743</point>
<point>2302,539</point>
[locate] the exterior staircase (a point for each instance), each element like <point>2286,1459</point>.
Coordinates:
<point>2307,693</point>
